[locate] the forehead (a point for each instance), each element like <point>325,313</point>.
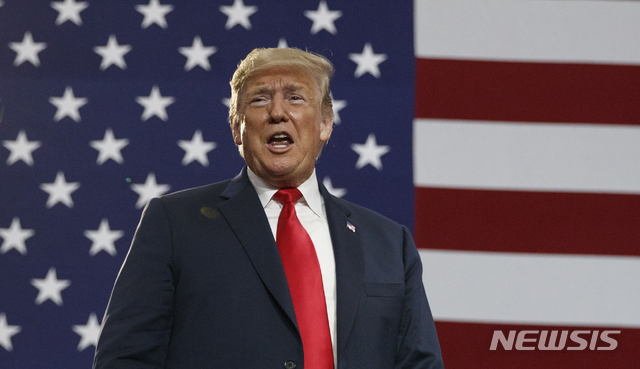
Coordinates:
<point>280,78</point>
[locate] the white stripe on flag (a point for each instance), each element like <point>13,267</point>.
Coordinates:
<point>563,31</point>
<point>525,156</point>
<point>491,287</point>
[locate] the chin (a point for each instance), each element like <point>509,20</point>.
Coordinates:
<point>280,167</point>
<point>287,177</point>
<point>281,174</point>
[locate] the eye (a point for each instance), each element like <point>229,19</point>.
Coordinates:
<point>259,101</point>
<point>296,99</point>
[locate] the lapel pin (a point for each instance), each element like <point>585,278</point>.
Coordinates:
<point>351,227</point>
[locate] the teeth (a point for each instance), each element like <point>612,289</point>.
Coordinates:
<point>280,140</point>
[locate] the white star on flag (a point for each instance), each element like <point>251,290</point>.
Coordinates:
<point>149,190</point>
<point>112,53</point>
<point>154,13</point>
<point>68,105</point>
<point>1,3</point>
<point>50,288</point>
<point>155,104</point>
<point>197,54</point>
<point>370,152</point>
<point>27,50</point>
<point>21,149</point>
<point>337,106</point>
<point>226,102</point>
<point>238,13</point>
<point>69,10</point>
<point>337,192</point>
<point>109,147</point>
<point>367,61</point>
<point>89,333</point>
<point>196,149</point>
<point>103,239</point>
<point>7,331</point>
<point>14,237</point>
<point>323,18</point>
<point>59,191</point>
<point>282,43</point>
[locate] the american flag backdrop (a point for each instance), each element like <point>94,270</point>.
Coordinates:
<point>106,104</point>
<point>505,133</point>
<point>527,172</point>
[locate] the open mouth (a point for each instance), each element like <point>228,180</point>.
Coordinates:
<point>280,141</point>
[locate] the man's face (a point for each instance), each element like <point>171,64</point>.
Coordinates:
<point>281,128</point>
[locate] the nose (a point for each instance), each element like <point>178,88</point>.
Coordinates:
<point>278,112</point>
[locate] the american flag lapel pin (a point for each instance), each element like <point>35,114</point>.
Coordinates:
<point>351,227</point>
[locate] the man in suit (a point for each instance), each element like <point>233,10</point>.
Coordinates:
<point>268,270</point>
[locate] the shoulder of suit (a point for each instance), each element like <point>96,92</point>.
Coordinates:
<point>206,193</point>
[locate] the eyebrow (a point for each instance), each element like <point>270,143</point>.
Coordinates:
<point>260,90</point>
<point>293,87</point>
<point>288,88</point>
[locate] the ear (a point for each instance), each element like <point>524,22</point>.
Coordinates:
<point>326,127</point>
<point>235,131</point>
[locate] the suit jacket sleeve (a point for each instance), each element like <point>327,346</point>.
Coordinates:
<point>418,345</point>
<point>137,323</point>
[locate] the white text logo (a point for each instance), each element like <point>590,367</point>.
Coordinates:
<point>580,339</point>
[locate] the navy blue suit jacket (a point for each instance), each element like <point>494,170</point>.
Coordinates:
<point>203,287</point>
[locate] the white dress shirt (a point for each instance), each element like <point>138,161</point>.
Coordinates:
<point>311,213</point>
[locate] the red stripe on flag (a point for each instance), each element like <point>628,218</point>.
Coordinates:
<point>527,92</point>
<point>519,221</point>
<point>467,345</point>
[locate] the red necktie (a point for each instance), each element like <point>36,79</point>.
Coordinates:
<point>305,282</point>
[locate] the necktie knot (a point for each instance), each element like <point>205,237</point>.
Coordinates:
<point>287,195</point>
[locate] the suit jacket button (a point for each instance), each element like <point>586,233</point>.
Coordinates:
<point>289,364</point>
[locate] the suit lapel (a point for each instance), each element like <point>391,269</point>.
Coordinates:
<point>243,212</point>
<point>252,229</point>
<point>348,253</point>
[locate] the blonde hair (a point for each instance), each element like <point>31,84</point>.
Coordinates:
<point>317,66</point>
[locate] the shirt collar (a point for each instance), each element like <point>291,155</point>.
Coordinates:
<point>309,189</point>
